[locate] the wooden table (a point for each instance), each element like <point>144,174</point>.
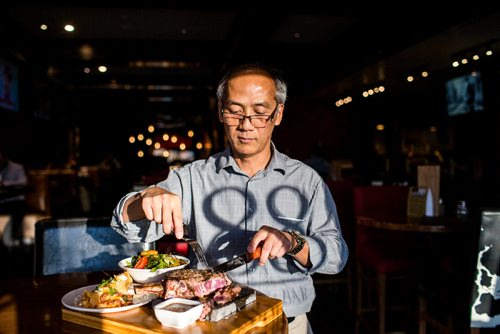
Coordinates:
<point>444,224</point>
<point>445,238</point>
<point>33,305</point>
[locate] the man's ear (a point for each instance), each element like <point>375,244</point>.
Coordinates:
<point>279,115</point>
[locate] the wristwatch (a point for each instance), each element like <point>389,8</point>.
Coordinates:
<point>299,243</point>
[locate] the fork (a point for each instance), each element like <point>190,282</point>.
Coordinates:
<point>198,251</point>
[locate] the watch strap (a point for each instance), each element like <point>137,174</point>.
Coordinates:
<point>299,243</point>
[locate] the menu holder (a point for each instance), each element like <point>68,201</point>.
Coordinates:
<point>420,202</point>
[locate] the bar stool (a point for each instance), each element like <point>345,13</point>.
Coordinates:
<point>381,257</point>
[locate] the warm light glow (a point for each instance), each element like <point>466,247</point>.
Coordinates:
<point>475,57</point>
<point>208,145</point>
<point>425,74</point>
<point>489,52</point>
<point>370,92</point>
<point>86,52</point>
<point>69,27</point>
<point>190,133</point>
<point>410,78</point>
<point>380,127</point>
<point>455,63</point>
<point>149,141</point>
<point>166,154</point>
<point>44,27</point>
<point>381,89</point>
<point>199,145</point>
<point>173,139</point>
<point>151,129</point>
<point>140,154</point>
<point>157,145</point>
<point>433,129</point>
<point>365,94</point>
<point>182,147</point>
<point>165,137</point>
<point>464,61</point>
<point>102,69</point>
<point>131,139</point>
<point>140,137</point>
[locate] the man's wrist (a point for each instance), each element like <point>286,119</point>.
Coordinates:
<point>298,242</point>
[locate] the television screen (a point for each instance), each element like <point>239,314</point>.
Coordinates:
<point>464,94</point>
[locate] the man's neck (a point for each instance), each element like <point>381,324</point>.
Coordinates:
<point>251,165</point>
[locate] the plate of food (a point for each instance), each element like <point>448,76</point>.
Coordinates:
<point>115,294</point>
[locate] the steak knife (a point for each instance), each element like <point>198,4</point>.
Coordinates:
<point>237,261</point>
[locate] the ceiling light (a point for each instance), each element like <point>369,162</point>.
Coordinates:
<point>69,28</point>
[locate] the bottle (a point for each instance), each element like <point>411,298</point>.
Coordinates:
<point>462,210</point>
<point>441,207</point>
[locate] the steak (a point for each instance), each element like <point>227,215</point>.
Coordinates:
<point>191,283</point>
<point>213,289</point>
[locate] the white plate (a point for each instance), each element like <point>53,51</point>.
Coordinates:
<point>72,298</point>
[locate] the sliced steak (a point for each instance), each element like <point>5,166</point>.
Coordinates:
<point>191,283</point>
<point>155,288</point>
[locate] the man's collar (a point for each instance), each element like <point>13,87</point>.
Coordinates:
<point>225,160</point>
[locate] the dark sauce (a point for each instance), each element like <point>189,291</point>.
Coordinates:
<point>177,307</point>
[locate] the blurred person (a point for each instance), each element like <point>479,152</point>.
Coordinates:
<point>317,160</point>
<point>13,182</point>
<point>248,195</point>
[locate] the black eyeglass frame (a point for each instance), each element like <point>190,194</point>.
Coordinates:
<point>250,117</point>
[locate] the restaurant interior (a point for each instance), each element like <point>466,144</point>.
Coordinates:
<point>99,98</point>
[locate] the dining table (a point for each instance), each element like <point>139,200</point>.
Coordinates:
<point>445,240</point>
<point>33,304</point>
<point>422,224</point>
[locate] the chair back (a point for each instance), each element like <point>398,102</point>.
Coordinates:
<point>485,310</point>
<point>385,200</point>
<point>80,245</point>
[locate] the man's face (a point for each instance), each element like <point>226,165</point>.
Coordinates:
<point>251,94</point>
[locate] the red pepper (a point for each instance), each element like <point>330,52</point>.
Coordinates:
<point>141,263</point>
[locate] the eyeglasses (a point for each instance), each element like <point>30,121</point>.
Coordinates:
<point>257,121</point>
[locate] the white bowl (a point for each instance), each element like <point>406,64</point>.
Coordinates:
<point>178,312</point>
<point>146,275</point>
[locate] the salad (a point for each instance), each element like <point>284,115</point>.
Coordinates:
<point>150,259</point>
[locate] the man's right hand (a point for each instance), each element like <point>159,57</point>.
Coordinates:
<point>158,204</point>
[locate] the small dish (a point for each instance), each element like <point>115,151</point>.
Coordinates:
<point>178,312</point>
<point>146,275</point>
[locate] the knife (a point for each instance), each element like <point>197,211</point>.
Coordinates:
<point>237,261</point>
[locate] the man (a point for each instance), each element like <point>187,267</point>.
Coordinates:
<point>248,195</point>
